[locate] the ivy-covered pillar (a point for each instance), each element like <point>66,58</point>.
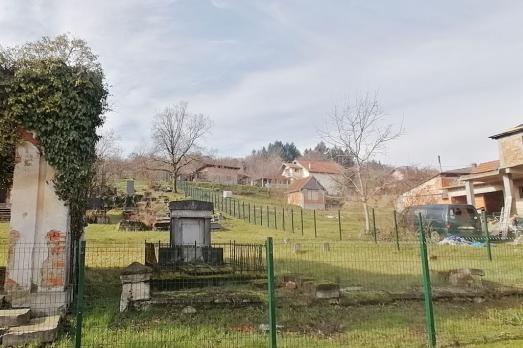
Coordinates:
<point>39,239</point>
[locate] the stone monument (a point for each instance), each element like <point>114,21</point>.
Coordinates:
<point>37,272</point>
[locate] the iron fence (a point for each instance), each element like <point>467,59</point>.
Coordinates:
<point>302,293</point>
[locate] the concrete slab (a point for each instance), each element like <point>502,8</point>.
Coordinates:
<point>43,303</point>
<point>14,317</point>
<point>37,331</point>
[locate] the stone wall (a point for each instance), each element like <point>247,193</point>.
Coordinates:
<point>39,244</point>
<point>511,150</point>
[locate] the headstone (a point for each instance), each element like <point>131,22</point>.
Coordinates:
<point>190,228</point>
<point>325,247</point>
<point>135,285</point>
<point>189,310</point>
<point>227,194</point>
<point>327,291</point>
<point>130,187</point>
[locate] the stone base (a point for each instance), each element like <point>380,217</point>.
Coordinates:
<point>37,331</point>
<point>14,317</point>
<point>43,302</point>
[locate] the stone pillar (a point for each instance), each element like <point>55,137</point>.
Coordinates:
<point>136,288</point>
<point>39,240</point>
<point>509,203</point>
<point>469,189</point>
<point>508,191</point>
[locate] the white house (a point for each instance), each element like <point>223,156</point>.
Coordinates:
<point>327,173</point>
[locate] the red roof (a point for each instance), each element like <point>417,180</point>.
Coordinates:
<point>485,167</point>
<point>309,183</point>
<point>327,167</point>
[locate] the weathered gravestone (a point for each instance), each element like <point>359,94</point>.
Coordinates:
<point>136,288</point>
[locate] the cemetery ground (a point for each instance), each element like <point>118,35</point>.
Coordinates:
<point>369,316</point>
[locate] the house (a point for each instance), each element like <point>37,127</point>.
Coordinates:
<point>307,193</point>
<point>327,173</point>
<point>433,190</point>
<point>501,177</point>
<point>217,173</point>
<point>275,181</point>
<point>494,186</point>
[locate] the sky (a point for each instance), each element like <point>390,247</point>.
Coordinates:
<point>450,72</point>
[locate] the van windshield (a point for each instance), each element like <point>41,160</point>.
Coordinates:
<point>462,215</point>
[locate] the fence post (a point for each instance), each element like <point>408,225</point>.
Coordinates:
<point>315,232</point>
<point>487,235</point>
<point>243,211</point>
<point>80,294</point>
<point>301,217</point>
<point>339,222</point>
<point>249,206</point>
<point>427,288</point>
<point>261,216</point>
<point>270,289</point>
<point>268,218</point>
<point>374,226</point>
<point>275,219</point>
<point>396,230</point>
<point>254,211</point>
<point>292,220</point>
<point>283,218</point>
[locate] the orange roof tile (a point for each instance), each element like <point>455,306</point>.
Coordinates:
<point>327,167</point>
<point>485,167</point>
<point>309,183</point>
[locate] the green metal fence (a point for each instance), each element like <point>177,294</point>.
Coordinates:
<point>332,224</point>
<point>296,293</point>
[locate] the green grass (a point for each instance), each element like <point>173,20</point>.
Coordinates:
<point>351,263</point>
<point>306,323</point>
<point>272,211</point>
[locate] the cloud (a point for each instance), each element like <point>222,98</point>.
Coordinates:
<point>266,70</point>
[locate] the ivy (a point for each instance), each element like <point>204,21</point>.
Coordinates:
<point>7,130</point>
<point>63,105</point>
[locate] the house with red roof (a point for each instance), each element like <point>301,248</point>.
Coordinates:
<point>307,193</point>
<point>327,173</point>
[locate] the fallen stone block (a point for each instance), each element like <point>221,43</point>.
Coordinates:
<point>14,317</point>
<point>37,331</point>
<point>466,277</point>
<point>327,291</point>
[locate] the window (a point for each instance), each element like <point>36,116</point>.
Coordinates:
<point>313,195</point>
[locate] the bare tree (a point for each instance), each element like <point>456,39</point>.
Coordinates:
<point>109,162</point>
<point>360,130</point>
<point>176,134</point>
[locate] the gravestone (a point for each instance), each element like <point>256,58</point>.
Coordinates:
<point>191,229</point>
<point>130,187</point>
<point>136,288</point>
